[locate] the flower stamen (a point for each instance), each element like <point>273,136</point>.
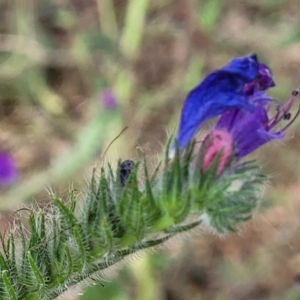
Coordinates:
<point>294,94</point>
<point>283,113</point>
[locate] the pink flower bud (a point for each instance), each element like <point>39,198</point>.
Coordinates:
<point>217,142</point>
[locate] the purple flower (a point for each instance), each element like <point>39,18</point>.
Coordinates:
<point>219,92</point>
<point>237,92</point>
<point>8,171</point>
<point>251,130</point>
<point>108,99</point>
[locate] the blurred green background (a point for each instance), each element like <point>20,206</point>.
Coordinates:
<point>56,59</point>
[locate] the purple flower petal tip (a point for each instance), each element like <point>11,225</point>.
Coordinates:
<point>263,81</point>
<point>8,170</point>
<point>245,67</point>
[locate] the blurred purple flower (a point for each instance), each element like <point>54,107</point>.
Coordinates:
<point>8,171</point>
<point>217,93</point>
<point>108,99</point>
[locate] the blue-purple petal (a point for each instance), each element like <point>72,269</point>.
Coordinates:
<point>245,67</point>
<point>220,91</point>
<point>263,82</point>
<point>247,129</point>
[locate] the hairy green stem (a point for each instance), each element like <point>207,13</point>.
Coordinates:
<point>116,217</point>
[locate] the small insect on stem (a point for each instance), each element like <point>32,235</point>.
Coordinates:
<point>102,157</point>
<point>125,171</point>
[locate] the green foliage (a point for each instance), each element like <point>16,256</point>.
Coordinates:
<point>92,231</point>
<point>209,13</point>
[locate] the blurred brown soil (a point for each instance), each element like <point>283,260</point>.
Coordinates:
<point>262,261</point>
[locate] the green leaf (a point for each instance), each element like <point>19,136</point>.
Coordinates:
<point>8,286</point>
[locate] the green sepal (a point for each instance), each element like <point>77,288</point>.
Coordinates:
<point>9,289</point>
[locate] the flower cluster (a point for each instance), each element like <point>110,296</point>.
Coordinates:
<point>238,93</point>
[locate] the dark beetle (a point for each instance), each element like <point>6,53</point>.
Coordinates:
<point>125,170</point>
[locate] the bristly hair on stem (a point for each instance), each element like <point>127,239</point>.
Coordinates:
<point>118,215</point>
